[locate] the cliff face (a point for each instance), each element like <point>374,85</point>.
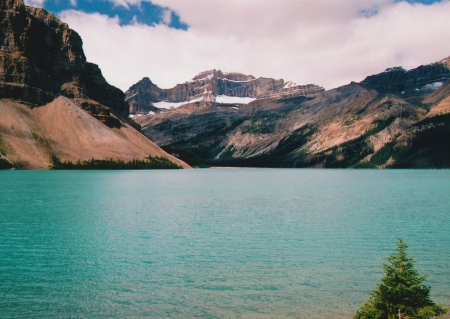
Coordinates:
<point>207,85</point>
<point>45,82</point>
<point>142,95</point>
<point>41,58</point>
<point>421,80</point>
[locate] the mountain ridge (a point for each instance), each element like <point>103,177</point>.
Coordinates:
<point>376,123</point>
<point>204,89</point>
<point>41,58</point>
<point>55,103</point>
<point>397,80</point>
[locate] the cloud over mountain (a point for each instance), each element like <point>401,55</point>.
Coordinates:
<point>310,41</point>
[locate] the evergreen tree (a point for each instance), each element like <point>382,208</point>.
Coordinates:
<point>401,293</point>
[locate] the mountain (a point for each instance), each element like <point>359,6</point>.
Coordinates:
<point>54,102</point>
<point>422,80</point>
<point>211,88</point>
<point>397,118</point>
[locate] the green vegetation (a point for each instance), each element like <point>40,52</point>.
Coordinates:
<point>284,155</point>
<point>2,146</point>
<point>347,154</point>
<point>380,124</point>
<point>364,164</point>
<point>350,153</point>
<point>350,120</point>
<point>383,154</point>
<point>401,293</point>
<point>215,128</point>
<point>435,120</point>
<point>164,125</point>
<point>263,122</point>
<point>259,127</point>
<point>4,164</point>
<point>5,147</point>
<point>197,149</point>
<point>42,142</point>
<point>157,162</point>
<point>181,128</point>
<point>430,146</point>
<point>187,157</point>
<point>365,107</point>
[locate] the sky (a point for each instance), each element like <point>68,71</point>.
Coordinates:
<point>324,42</point>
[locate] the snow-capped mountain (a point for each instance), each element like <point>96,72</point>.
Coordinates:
<point>211,88</point>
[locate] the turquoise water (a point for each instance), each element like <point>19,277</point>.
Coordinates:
<point>216,243</point>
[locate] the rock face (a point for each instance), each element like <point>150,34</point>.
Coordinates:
<point>41,58</point>
<point>45,83</point>
<point>351,126</point>
<point>421,80</point>
<point>142,95</point>
<point>205,86</point>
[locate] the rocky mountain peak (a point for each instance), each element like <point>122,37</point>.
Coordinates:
<point>41,58</point>
<point>398,118</point>
<point>238,77</point>
<point>219,75</point>
<point>446,61</point>
<point>207,75</point>
<point>421,80</point>
<point>45,82</point>
<point>211,88</point>
<point>395,69</point>
<point>12,5</point>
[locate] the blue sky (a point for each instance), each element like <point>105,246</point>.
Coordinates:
<point>145,12</point>
<point>424,1</point>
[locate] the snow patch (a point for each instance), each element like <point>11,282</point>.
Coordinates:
<point>174,105</point>
<point>169,105</point>
<point>234,99</point>
<point>289,84</point>
<point>432,86</point>
<point>209,77</point>
<point>225,79</point>
<point>198,99</point>
<point>222,99</point>
<point>129,97</point>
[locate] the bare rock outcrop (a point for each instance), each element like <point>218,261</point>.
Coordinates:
<point>41,58</point>
<point>209,84</point>
<point>45,83</point>
<point>421,80</point>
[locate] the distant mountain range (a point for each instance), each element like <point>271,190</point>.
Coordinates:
<point>211,88</point>
<point>55,104</point>
<point>397,118</point>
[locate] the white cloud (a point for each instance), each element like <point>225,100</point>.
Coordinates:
<point>34,3</point>
<point>167,16</point>
<point>125,3</point>
<point>325,42</point>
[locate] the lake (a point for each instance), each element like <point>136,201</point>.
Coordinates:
<point>214,243</point>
